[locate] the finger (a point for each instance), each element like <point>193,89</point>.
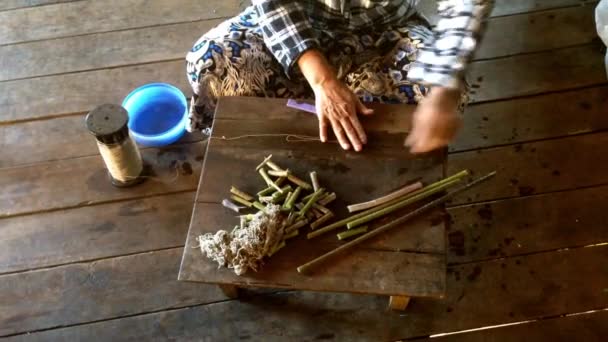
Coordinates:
<point>351,133</point>
<point>339,133</point>
<point>359,129</point>
<point>361,108</point>
<point>323,128</point>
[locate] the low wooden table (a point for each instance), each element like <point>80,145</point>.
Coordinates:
<point>408,261</point>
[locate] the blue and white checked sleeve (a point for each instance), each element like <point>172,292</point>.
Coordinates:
<point>456,37</point>
<point>286,29</point>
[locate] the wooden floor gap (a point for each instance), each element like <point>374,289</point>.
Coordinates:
<point>94,69</point>
<point>554,250</point>
<point>528,141</point>
<point>88,261</point>
<point>145,313</point>
<point>111,31</point>
<point>38,5</point>
<point>500,199</point>
<point>94,203</point>
<point>528,96</point>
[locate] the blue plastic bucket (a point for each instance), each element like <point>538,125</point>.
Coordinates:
<point>158,113</point>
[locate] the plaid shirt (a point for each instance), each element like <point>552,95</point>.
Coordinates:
<point>287,26</point>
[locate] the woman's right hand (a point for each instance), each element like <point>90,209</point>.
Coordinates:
<point>338,106</point>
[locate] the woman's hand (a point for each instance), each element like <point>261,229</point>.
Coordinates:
<point>338,106</point>
<point>435,121</point>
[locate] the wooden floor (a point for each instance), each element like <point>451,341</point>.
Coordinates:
<point>81,261</point>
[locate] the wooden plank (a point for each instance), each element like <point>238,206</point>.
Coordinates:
<point>391,272</point>
<point>103,16</point>
<point>60,138</point>
<point>538,31</point>
<point>6,5</point>
<point>94,232</point>
<point>105,50</point>
<point>80,92</point>
<point>537,73</point>
<point>582,327</point>
<point>82,181</point>
<point>99,290</point>
<point>533,118</point>
<point>535,168</point>
<point>508,7</point>
<point>499,79</point>
<point>527,225</point>
<point>482,294</point>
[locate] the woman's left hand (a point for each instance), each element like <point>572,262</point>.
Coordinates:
<point>435,121</point>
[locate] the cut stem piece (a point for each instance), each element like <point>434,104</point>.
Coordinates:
<point>297,181</point>
<point>277,248</point>
<point>269,190</point>
<point>328,199</point>
<point>299,224</point>
<point>228,204</point>
<point>241,194</point>
<point>352,232</point>
<point>275,173</point>
<point>241,200</point>
<point>314,180</point>
<point>310,202</point>
<point>259,205</point>
<point>292,199</point>
<point>273,166</point>
<point>376,202</point>
<point>269,181</point>
<point>266,160</point>
<point>291,234</point>
<point>321,221</point>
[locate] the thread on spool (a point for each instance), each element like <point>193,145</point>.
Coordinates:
<point>123,160</point>
<point>109,124</point>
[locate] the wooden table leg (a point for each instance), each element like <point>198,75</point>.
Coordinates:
<point>231,291</point>
<point>398,302</point>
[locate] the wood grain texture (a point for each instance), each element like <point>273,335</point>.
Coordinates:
<point>104,289</point>
<point>379,267</point>
<point>538,31</point>
<point>45,97</point>
<point>583,327</point>
<point>533,118</point>
<point>481,294</point>
<point>56,139</point>
<point>491,80</point>
<point>534,168</point>
<point>94,232</point>
<point>537,73</point>
<point>16,4</point>
<point>100,50</point>
<point>527,225</point>
<point>57,21</point>
<point>83,181</point>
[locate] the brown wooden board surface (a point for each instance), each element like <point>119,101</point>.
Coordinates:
<point>82,181</point>
<point>16,4</point>
<point>480,294</point>
<point>537,73</point>
<point>102,289</point>
<point>94,232</point>
<point>581,327</point>
<point>47,22</point>
<point>415,267</point>
<point>56,139</point>
<point>533,118</point>
<point>538,167</point>
<point>103,50</point>
<point>552,29</point>
<point>526,225</point>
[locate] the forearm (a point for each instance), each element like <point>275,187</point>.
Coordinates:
<point>316,69</point>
